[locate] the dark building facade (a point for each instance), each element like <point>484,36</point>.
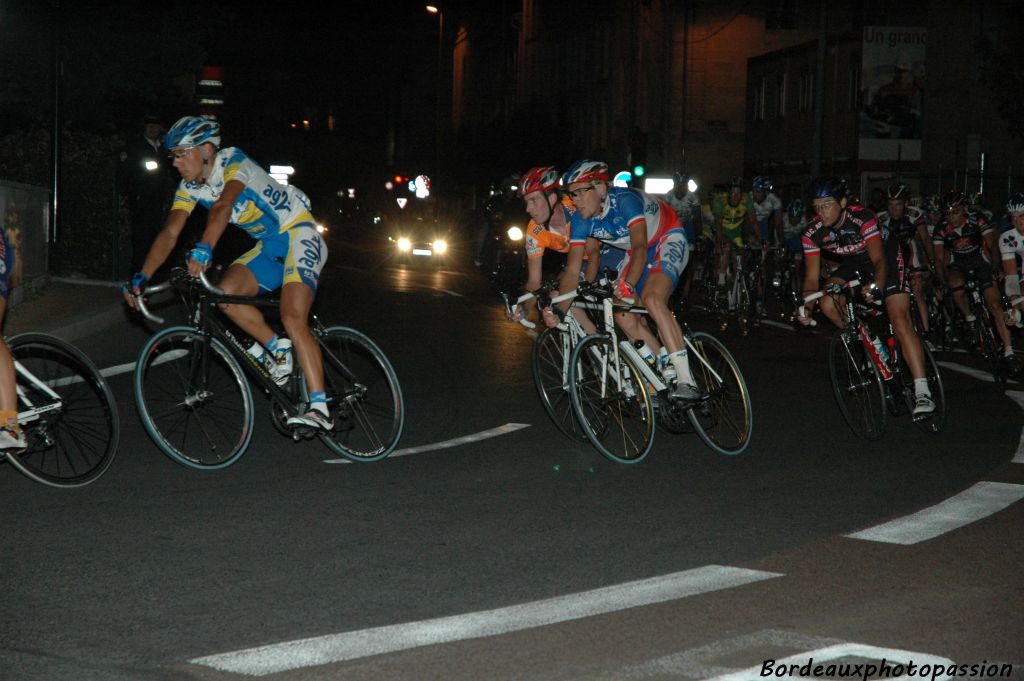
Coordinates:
<point>729,88</point>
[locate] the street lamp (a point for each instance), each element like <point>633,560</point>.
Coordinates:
<point>440,40</point>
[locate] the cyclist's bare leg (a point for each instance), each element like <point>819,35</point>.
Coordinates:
<point>657,289</point>
<point>240,281</point>
<point>898,308</point>
<point>632,325</point>
<point>8,377</point>
<point>829,308</point>
<point>296,301</point>
<point>568,281</point>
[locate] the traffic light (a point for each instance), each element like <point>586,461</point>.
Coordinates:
<point>638,171</point>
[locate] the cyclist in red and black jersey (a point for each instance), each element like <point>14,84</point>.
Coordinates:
<point>971,244</point>
<point>851,233</point>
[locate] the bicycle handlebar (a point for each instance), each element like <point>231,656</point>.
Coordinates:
<point>140,300</point>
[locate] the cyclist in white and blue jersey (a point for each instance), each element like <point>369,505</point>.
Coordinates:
<point>649,231</point>
<point>289,253</point>
<point>767,210</point>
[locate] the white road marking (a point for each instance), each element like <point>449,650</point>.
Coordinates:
<point>352,645</point>
<point>1018,397</point>
<point>465,439</point>
<point>705,662</point>
<point>978,501</point>
<point>823,656</point>
<point>453,293</point>
<point>118,369</point>
<point>975,373</point>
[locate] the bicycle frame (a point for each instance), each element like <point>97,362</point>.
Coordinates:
<point>33,412</point>
<point>207,324</point>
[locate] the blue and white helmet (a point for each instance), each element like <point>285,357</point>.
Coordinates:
<point>191,131</point>
<point>762,183</point>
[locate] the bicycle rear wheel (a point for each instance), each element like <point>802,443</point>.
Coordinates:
<point>549,360</point>
<point>611,402</point>
<point>725,421</point>
<point>857,385</point>
<point>72,439</point>
<point>198,413</point>
<point>363,395</point>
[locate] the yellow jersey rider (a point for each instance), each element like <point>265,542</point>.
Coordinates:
<point>289,253</point>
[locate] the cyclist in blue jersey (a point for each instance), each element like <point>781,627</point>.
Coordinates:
<point>289,253</point>
<point>649,230</point>
<point>12,438</point>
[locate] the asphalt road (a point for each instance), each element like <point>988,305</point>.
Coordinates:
<point>505,558</point>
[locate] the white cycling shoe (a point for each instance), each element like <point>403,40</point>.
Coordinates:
<point>313,418</point>
<point>924,406</point>
<point>12,441</point>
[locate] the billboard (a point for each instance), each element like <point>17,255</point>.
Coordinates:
<point>892,85</point>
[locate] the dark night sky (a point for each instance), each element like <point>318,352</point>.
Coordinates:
<point>283,63</point>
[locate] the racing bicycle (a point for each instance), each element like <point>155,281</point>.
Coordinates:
<point>66,410</point>
<point>197,406</point>
<point>869,374</point>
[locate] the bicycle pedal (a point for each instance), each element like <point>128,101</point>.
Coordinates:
<point>302,433</point>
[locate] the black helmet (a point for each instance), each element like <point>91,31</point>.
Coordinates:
<point>825,187</point>
<point>899,192</point>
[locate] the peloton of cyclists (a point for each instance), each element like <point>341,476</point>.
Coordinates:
<point>851,233</point>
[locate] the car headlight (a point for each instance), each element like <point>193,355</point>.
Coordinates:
<point>404,244</point>
<point>515,234</point>
<point>440,246</point>
<point>321,228</point>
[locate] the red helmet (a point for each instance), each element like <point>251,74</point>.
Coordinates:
<point>585,171</point>
<point>541,178</point>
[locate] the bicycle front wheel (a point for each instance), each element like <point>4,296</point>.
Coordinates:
<point>363,395</point>
<point>725,420</point>
<point>937,420</point>
<point>193,399</point>
<point>550,362</point>
<point>857,385</point>
<point>67,412</point>
<point>611,400</point>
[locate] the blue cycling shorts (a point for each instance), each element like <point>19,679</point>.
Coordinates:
<point>295,256</point>
<point>6,264</point>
